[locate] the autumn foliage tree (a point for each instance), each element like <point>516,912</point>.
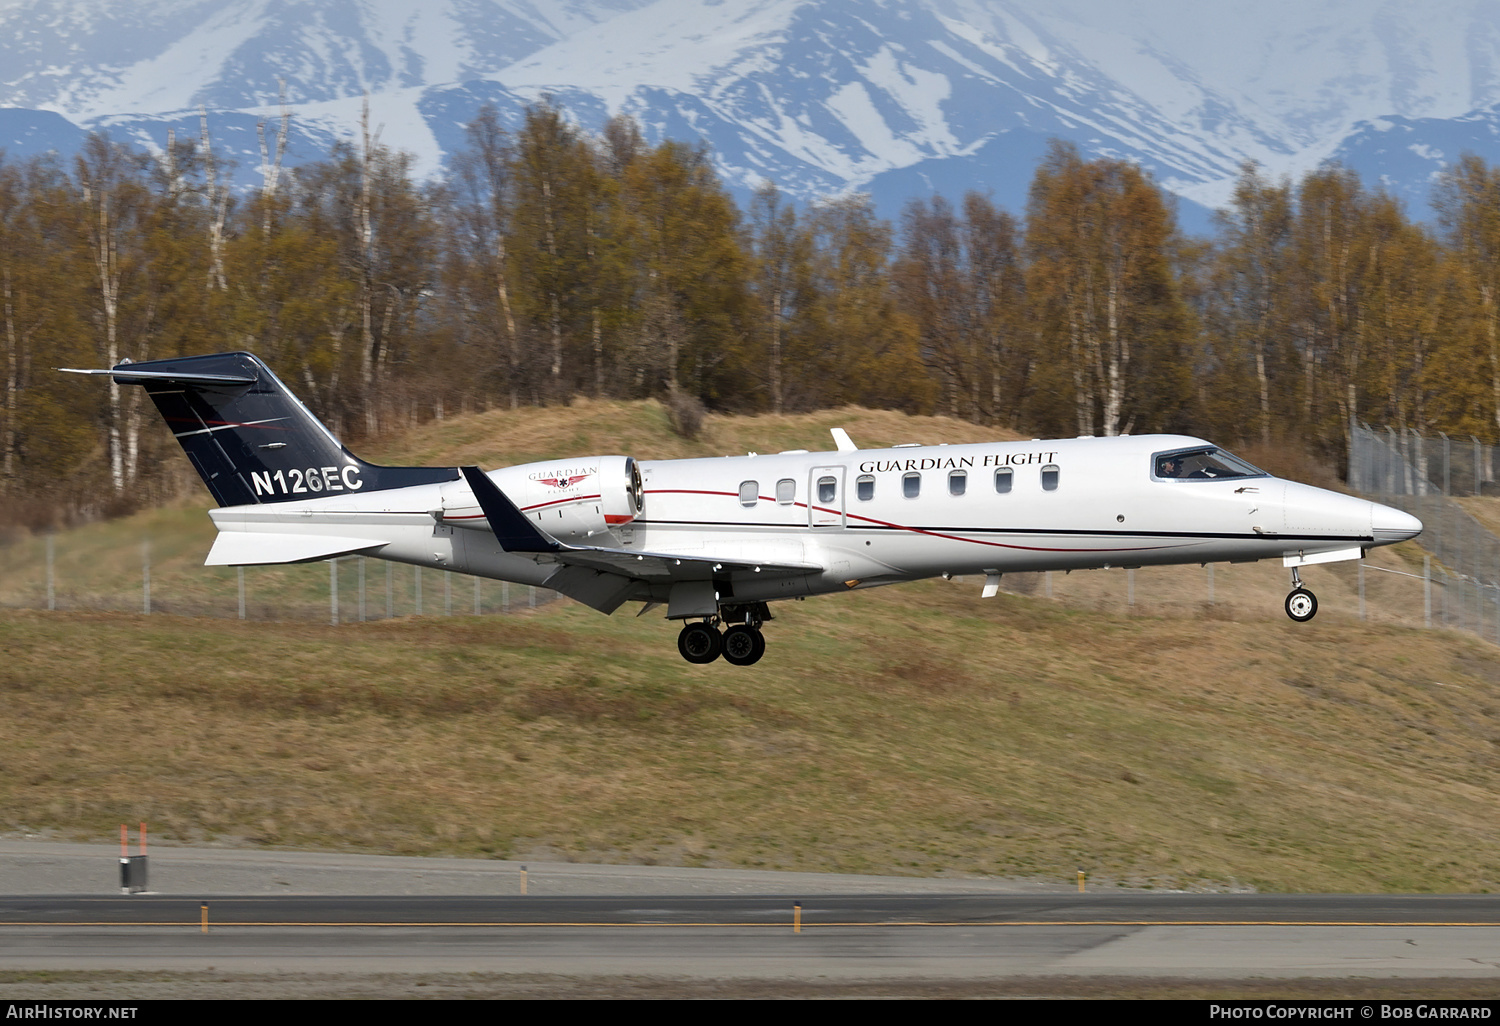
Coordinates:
<point>550,261</point>
<point>1100,279</point>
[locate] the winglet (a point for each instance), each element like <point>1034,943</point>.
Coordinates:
<point>842,440</point>
<point>512,530</point>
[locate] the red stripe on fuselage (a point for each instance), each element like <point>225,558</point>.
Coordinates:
<point>903,527</point>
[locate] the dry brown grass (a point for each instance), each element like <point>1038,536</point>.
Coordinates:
<point>1486,510</point>
<point>915,730</point>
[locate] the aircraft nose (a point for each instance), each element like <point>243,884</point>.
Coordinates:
<point>1391,525</point>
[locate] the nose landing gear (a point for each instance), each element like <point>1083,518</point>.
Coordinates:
<point>1301,604</point>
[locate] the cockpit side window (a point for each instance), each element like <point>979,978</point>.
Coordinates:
<point>1206,463</point>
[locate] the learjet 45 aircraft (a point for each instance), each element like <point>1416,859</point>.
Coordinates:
<point>717,540</point>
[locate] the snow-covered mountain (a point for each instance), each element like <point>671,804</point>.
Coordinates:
<point>895,97</point>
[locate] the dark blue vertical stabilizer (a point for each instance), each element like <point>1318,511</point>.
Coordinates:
<point>251,439</point>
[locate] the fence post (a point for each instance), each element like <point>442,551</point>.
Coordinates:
<point>333,591</point>
<point>1427,591</point>
<point>390,590</point>
<point>146,576</point>
<point>1457,562</point>
<point>504,596</point>
<point>51,594</point>
<point>1476,466</point>
<point>361,589</point>
<point>1210,584</point>
<point>1447,465</point>
<point>417,577</point>
<point>447,592</point>
<point>477,610</point>
<point>1393,453</point>
<point>241,576</point>
<point>1130,588</point>
<point>1361,589</point>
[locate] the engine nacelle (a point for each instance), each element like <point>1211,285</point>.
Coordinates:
<point>573,500</point>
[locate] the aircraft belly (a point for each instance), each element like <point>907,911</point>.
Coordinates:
<point>959,551</point>
<point>481,556</point>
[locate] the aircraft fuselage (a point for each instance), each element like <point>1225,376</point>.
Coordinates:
<point>717,540</point>
<point>883,515</point>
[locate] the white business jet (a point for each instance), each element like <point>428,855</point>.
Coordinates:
<point>717,540</point>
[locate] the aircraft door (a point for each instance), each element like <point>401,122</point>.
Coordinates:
<point>825,497</point>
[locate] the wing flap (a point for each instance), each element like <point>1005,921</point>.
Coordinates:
<point>663,566</point>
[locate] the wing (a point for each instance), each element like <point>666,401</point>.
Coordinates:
<point>604,577</point>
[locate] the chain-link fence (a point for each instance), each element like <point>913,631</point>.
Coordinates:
<point>1443,482</point>
<point>344,590</point>
<point>106,568</point>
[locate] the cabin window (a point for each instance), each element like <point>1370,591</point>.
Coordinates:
<point>827,489</point>
<point>1003,478</point>
<point>749,493</point>
<point>864,487</point>
<point>786,491</point>
<point>911,485</point>
<point>958,481</point>
<point>1049,478</point>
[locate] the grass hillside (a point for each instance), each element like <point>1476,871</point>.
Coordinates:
<point>917,729</point>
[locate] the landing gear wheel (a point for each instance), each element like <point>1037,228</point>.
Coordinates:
<point>743,645</point>
<point>700,643</point>
<point>1302,605</point>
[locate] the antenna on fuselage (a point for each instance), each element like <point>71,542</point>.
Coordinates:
<point>842,440</point>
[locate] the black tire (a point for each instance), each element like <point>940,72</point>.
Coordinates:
<point>699,643</point>
<point>1302,605</point>
<point>743,646</point>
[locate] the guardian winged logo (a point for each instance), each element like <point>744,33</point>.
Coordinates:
<point>561,481</point>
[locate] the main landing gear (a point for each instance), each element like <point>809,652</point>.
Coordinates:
<point>741,643</point>
<point>1301,604</point>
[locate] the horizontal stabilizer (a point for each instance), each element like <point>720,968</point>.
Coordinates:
<point>125,376</point>
<point>253,548</point>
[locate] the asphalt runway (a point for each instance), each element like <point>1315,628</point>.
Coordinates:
<point>784,912</point>
<point>927,937</point>
<point>301,915</point>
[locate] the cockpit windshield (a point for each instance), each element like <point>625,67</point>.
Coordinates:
<point>1205,463</point>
